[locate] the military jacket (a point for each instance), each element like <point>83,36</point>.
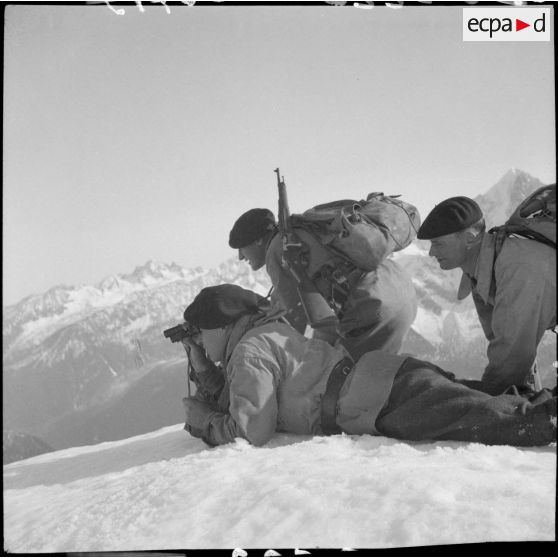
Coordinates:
<point>376,299</point>
<point>276,378</point>
<point>515,299</point>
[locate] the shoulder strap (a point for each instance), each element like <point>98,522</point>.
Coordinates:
<point>500,235</point>
<point>327,247</point>
<point>530,233</point>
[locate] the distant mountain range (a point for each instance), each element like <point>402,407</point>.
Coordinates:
<point>89,364</point>
<point>17,446</point>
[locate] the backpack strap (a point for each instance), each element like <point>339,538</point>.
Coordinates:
<point>526,232</point>
<point>504,231</point>
<point>341,277</point>
<point>500,234</point>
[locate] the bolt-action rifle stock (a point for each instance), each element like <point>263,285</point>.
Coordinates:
<point>295,258</point>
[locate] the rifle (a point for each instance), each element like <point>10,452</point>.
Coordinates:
<point>319,314</point>
<point>294,251</point>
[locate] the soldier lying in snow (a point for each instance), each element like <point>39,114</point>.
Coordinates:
<point>275,379</point>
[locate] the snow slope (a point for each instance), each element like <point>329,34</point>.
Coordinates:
<point>167,490</point>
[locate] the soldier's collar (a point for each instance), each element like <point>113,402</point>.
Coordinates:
<point>476,279</point>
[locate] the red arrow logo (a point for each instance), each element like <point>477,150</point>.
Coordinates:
<point>519,25</point>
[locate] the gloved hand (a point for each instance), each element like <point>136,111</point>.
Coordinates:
<point>197,416</point>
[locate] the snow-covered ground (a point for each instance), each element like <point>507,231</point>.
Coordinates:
<point>167,490</point>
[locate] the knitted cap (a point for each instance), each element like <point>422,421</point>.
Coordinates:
<point>450,216</point>
<point>218,306</point>
<point>251,226</point>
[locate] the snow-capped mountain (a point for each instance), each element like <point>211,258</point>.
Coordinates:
<point>89,363</point>
<point>500,201</point>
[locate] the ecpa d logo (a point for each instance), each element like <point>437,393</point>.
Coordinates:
<point>506,24</point>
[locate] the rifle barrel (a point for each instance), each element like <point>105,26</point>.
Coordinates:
<point>283,211</point>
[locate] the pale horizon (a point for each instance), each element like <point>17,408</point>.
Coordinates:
<point>144,136</point>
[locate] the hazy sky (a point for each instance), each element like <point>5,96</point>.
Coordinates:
<point>145,135</point>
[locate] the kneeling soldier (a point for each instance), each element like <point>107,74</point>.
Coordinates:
<point>272,378</point>
<point>514,291</point>
<point>375,309</point>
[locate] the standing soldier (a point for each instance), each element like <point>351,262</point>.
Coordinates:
<point>514,293</point>
<point>375,309</point>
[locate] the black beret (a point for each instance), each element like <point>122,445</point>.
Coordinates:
<point>218,306</point>
<point>251,226</point>
<point>450,216</point>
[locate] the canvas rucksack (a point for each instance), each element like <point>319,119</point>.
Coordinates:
<point>362,232</point>
<point>534,218</point>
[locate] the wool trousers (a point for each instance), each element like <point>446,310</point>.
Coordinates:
<point>428,403</point>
